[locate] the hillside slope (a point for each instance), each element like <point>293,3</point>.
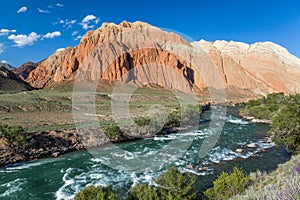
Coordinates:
<point>10,82</point>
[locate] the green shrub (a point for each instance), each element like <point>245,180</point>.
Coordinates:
<point>144,192</point>
<point>260,112</point>
<point>112,131</point>
<point>171,185</point>
<point>265,107</point>
<point>173,119</point>
<point>97,193</point>
<point>177,186</point>
<point>14,134</point>
<point>142,121</point>
<point>228,185</point>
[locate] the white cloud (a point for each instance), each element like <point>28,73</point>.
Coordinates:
<point>22,9</point>
<point>88,18</point>
<point>78,37</point>
<point>1,48</point>
<point>66,23</point>
<point>43,11</point>
<point>4,61</point>
<point>5,31</point>
<point>59,5</point>
<point>74,33</point>
<point>24,40</point>
<point>60,49</point>
<point>52,35</point>
<point>89,21</point>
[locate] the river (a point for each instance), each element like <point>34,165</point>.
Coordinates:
<point>60,178</point>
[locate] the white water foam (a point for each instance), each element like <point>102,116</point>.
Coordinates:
<point>60,194</point>
<point>21,166</point>
<point>13,187</point>
<point>235,120</point>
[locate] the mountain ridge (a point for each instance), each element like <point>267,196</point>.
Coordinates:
<point>262,67</point>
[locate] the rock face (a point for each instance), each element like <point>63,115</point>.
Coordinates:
<point>24,70</point>
<point>262,67</point>
<point>9,81</point>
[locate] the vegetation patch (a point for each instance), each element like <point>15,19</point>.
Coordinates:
<point>284,112</point>
<point>15,135</point>
<point>228,185</point>
<point>97,193</point>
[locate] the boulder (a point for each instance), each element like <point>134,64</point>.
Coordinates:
<point>239,150</point>
<point>252,145</point>
<point>190,167</point>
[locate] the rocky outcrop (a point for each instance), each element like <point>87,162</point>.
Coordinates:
<point>24,70</point>
<point>42,144</point>
<point>261,68</point>
<point>9,81</point>
<point>64,65</point>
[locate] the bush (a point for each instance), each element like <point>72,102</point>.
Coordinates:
<point>228,185</point>
<point>97,193</point>
<point>112,131</point>
<point>14,134</point>
<point>142,121</point>
<point>144,192</point>
<point>173,119</point>
<point>265,107</point>
<point>177,186</point>
<point>260,112</point>
<point>171,185</point>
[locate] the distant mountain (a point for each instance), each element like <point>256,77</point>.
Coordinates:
<point>261,68</point>
<point>7,66</point>
<point>10,82</point>
<point>24,70</point>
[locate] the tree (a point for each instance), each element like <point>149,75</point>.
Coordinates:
<point>144,192</point>
<point>285,127</point>
<point>97,193</point>
<point>228,185</point>
<point>177,186</point>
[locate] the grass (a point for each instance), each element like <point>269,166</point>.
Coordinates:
<point>51,108</point>
<point>282,184</point>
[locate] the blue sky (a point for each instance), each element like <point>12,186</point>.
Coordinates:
<point>31,30</point>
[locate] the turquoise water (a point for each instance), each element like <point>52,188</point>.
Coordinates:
<point>60,178</point>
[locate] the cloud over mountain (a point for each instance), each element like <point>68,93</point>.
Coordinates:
<point>89,22</point>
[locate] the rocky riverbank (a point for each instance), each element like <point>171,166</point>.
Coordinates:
<point>56,143</point>
<point>254,120</point>
<point>41,144</point>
